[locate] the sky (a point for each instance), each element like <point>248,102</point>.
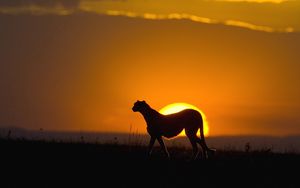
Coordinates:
<point>80,65</point>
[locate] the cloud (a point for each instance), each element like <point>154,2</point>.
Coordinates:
<point>39,7</point>
<point>177,16</point>
<point>248,26</point>
<point>41,3</point>
<point>229,15</point>
<point>151,16</point>
<point>255,1</point>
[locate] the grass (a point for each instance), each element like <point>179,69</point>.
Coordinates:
<point>57,164</point>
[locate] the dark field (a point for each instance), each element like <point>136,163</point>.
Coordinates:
<point>56,164</point>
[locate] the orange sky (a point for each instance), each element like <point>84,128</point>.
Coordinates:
<point>83,70</point>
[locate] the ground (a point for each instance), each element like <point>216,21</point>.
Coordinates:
<point>28,163</point>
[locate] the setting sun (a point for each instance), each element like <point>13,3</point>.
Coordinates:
<point>177,107</point>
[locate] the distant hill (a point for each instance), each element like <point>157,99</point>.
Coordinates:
<point>276,144</point>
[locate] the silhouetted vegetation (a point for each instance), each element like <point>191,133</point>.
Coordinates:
<point>56,163</point>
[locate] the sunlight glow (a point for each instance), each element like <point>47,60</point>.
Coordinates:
<point>177,107</point>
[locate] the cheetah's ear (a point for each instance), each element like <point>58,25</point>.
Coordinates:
<point>143,101</point>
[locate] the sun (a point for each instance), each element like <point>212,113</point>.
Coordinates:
<point>177,107</point>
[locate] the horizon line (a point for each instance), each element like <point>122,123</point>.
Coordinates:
<point>40,130</point>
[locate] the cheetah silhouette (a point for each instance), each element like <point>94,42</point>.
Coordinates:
<point>169,126</point>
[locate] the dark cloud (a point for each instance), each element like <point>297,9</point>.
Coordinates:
<point>42,3</point>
